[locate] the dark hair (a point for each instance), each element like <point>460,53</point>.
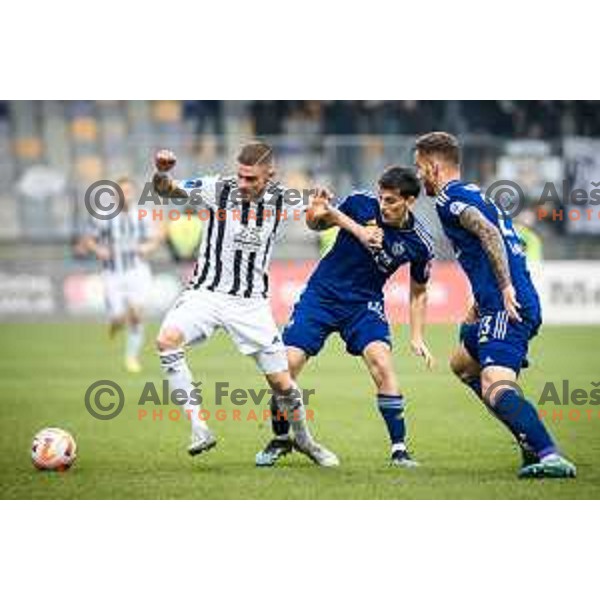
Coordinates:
<point>441,144</point>
<point>255,153</point>
<point>402,180</point>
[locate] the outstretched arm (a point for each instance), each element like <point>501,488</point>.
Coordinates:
<point>163,183</point>
<point>321,215</point>
<point>473,220</point>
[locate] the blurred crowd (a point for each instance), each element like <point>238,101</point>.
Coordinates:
<point>52,151</point>
<point>524,118</point>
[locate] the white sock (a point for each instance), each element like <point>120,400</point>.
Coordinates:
<point>550,457</point>
<point>135,339</point>
<point>296,413</point>
<point>179,375</point>
<point>398,446</point>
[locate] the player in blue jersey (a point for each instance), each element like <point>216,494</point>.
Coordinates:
<point>506,313</point>
<point>345,295</point>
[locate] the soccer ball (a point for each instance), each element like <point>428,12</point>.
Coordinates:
<point>53,449</point>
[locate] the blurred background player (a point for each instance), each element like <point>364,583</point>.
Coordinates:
<point>230,285</point>
<point>123,244</point>
<point>345,295</point>
<point>507,311</point>
<point>533,244</point>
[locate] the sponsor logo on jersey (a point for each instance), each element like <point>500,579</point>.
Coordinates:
<point>397,249</point>
<point>248,237</point>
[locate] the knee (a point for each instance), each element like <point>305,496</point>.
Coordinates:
<point>169,338</point>
<point>458,368</point>
<point>461,369</point>
<point>118,320</point>
<point>135,317</point>
<point>295,367</point>
<point>280,383</point>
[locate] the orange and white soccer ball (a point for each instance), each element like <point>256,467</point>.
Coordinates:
<point>53,449</point>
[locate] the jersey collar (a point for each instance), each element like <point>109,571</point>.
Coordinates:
<point>409,226</point>
<point>447,185</point>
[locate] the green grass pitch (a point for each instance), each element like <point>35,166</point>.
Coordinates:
<point>45,370</point>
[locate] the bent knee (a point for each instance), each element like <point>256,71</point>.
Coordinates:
<point>169,338</point>
<point>465,369</point>
<point>135,316</point>
<point>457,366</point>
<point>280,382</point>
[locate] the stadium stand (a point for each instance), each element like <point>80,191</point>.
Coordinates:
<point>342,144</point>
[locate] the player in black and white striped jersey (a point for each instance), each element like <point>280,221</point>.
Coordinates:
<point>236,251</point>
<point>122,244</point>
<point>229,288</point>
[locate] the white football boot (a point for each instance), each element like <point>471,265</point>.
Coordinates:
<point>202,442</point>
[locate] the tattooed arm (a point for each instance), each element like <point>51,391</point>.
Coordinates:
<point>473,220</point>
<point>491,240</point>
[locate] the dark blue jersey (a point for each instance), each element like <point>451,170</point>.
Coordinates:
<point>455,197</point>
<point>352,273</point>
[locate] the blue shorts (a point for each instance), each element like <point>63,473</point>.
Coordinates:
<point>494,340</point>
<point>314,319</point>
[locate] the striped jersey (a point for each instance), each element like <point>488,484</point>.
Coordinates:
<point>238,239</point>
<point>122,234</point>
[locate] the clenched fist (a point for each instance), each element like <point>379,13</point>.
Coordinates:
<point>165,160</point>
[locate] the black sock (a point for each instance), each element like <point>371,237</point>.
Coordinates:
<point>391,408</point>
<point>279,423</point>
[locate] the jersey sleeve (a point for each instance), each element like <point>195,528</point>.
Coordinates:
<point>420,269</point>
<point>452,208</point>
<point>204,189</point>
<point>350,206</point>
<point>420,266</point>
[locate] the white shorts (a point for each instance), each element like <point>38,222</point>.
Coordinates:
<point>122,290</point>
<point>197,314</point>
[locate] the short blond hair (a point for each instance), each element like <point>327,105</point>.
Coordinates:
<point>256,153</point>
<point>441,144</point>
